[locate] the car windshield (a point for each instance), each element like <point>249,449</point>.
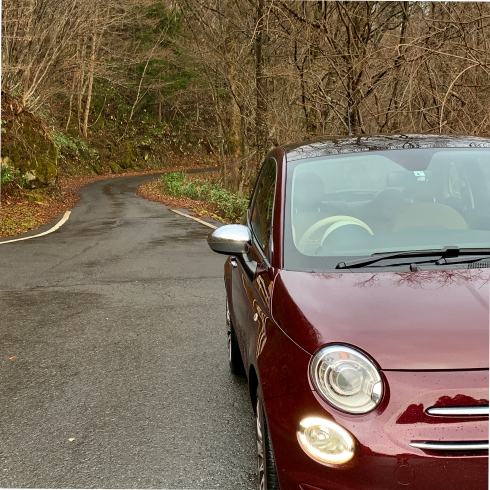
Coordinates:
<point>355,205</point>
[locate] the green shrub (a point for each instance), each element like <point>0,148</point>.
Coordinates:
<point>69,146</point>
<point>62,140</point>
<point>14,175</point>
<point>232,206</point>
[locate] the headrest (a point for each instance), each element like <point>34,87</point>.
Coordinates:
<point>309,190</point>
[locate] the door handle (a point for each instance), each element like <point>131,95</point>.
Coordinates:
<point>233,262</point>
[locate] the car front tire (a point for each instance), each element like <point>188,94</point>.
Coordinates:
<point>266,466</point>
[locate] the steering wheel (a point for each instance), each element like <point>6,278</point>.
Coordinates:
<point>331,220</point>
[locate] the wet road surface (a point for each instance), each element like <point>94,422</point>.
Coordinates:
<point>120,376</point>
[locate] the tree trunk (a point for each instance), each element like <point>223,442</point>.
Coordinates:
<point>261,86</point>
<point>159,106</point>
<point>90,86</point>
<point>70,108</point>
<point>81,80</point>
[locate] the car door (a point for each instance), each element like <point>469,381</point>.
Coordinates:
<point>250,296</point>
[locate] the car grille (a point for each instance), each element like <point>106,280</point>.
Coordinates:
<point>451,446</point>
<point>473,411</point>
<point>459,411</point>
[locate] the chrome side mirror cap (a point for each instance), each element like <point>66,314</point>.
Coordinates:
<point>231,240</point>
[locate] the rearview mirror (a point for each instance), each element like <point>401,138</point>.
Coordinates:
<point>234,240</point>
<point>231,240</point>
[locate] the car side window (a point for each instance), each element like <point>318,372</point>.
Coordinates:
<point>262,204</point>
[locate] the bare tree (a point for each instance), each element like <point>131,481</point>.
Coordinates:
<point>267,71</point>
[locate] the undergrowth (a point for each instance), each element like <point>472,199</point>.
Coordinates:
<point>10,175</point>
<point>68,144</point>
<point>232,206</point>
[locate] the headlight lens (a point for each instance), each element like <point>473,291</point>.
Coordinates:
<point>325,441</point>
<point>346,379</point>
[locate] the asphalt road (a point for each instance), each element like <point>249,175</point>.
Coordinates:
<point>120,377</point>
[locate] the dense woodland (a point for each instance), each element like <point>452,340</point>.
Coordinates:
<point>134,80</point>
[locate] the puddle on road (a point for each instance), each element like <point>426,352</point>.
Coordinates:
<point>169,239</point>
<point>117,198</point>
<point>107,190</point>
<point>97,228</point>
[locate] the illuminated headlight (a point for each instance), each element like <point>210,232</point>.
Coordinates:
<point>325,441</point>
<point>346,379</point>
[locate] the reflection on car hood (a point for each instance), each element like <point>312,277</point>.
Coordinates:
<point>404,320</point>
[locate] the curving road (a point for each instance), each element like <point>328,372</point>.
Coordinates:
<point>120,376</point>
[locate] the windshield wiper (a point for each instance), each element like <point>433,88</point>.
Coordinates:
<point>446,253</point>
<point>462,260</point>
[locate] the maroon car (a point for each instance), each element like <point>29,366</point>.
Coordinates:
<point>358,308</point>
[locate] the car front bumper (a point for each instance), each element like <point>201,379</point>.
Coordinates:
<point>384,458</point>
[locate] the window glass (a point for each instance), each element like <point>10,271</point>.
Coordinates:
<point>484,163</point>
<point>356,205</point>
<point>261,216</point>
<point>454,182</point>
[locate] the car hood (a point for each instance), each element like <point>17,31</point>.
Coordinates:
<point>404,320</point>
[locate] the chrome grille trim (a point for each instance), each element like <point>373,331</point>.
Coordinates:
<point>464,411</point>
<point>451,446</point>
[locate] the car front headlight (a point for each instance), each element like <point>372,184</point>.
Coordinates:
<point>347,379</point>
<point>325,441</point>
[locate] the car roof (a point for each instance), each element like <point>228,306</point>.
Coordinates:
<point>334,145</point>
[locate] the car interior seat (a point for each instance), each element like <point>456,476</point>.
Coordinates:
<point>421,193</point>
<point>429,214</point>
<point>381,212</point>
<point>308,192</point>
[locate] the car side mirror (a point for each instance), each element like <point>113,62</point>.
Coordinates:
<point>234,240</point>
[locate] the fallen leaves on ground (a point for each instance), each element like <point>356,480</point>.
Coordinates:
<point>153,191</point>
<point>19,214</point>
